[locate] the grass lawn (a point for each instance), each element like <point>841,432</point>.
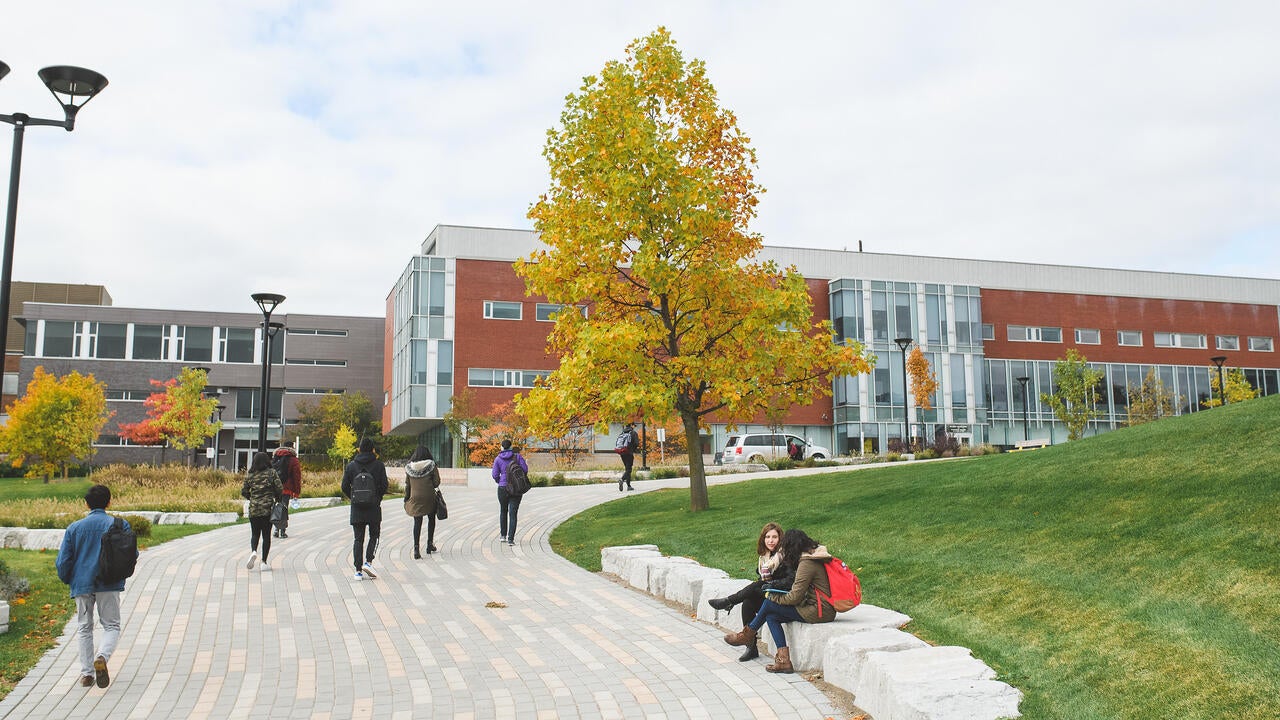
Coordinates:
<point>1131,575</point>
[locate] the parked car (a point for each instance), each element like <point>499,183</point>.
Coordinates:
<point>762,447</point>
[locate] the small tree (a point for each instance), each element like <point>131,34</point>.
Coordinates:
<point>924,383</point>
<point>505,423</point>
<point>179,415</point>
<point>1238,388</point>
<point>1074,402</point>
<point>54,422</point>
<point>343,447</point>
<point>1150,401</point>
<point>465,421</point>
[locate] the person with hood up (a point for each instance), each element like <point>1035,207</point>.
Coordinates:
<point>508,503</point>
<point>365,516</point>
<point>287,466</point>
<point>422,477</point>
<point>806,601</point>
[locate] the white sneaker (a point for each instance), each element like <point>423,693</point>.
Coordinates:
<point>359,575</point>
<point>368,570</point>
<point>253,560</point>
<point>266,567</point>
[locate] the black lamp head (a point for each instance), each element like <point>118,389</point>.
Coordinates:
<point>267,302</point>
<point>4,70</point>
<point>903,343</point>
<point>73,87</point>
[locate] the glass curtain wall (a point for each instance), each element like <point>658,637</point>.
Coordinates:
<point>422,360</point>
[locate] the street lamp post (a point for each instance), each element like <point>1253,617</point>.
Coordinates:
<point>903,344</point>
<point>267,303</point>
<point>220,408</point>
<point>1026,427</point>
<point>1222,388</point>
<point>72,87</point>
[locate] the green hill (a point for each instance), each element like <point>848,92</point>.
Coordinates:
<point>1131,575</point>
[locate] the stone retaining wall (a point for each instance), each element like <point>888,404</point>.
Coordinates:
<point>892,674</point>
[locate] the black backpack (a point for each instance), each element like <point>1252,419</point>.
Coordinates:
<point>517,478</point>
<point>280,463</point>
<point>119,555</point>
<point>364,489</point>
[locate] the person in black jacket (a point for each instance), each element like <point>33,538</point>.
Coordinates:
<point>366,517</point>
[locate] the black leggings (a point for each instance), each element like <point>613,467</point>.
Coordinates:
<point>375,531</point>
<point>260,527</point>
<point>751,597</point>
<point>417,530</point>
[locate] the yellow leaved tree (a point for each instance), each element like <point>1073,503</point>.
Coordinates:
<point>924,382</point>
<point>54,422</point>
<point>646,224</point>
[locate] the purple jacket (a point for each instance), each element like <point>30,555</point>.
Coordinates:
<point>502,462</point>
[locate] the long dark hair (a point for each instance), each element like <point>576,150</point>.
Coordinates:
<point>261,461</point>
<point>794,544</point>
<point>420,453</point>
<point>760,546</point>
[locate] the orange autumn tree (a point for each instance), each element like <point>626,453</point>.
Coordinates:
<point>923,380</point>
<point>646,223</point>
<point>179,415</point>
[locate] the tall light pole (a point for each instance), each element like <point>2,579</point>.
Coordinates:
<point>267,303</point>
<point>1026,427</point>
<point>72,87</point>
<point>1222,389</point>
<point>903,344</point>
<point>216,466</point>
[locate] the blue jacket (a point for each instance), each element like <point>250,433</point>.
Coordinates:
<point>78,558</point>
<point>502,462</point>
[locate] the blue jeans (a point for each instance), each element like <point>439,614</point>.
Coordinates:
<point>775,614</point>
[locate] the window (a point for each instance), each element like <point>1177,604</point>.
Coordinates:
<point>487,377</point>
<point>1227,342</point>
<point>199,344</point>
<point>988,331</point>
<point>313,331</point>
<point>444,363</point>
<point>58,338</point>
<point>544,311</point>
<point>1022,333</point>
<point>1260,344</point>
<point>110,340</point>
<point>137,395</point>
<point>1179,340</point>
<point>1086,336</point>
<point>1129,338</point>
<point>320,363</point>
<point>314,391</point>
<point>146,341</point>
<point>499,310</point>
<point>235,345</point>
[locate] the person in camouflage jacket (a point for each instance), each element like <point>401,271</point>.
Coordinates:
<point>263,490</point>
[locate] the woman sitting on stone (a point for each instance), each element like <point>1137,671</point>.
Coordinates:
<point>806,601</point>
<point>771,573</point>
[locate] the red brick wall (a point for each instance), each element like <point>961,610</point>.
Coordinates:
<point>1111,314</point>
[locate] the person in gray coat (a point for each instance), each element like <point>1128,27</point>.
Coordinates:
<point>421,478</point>
<point>366,517</point>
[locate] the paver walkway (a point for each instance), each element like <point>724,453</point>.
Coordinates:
<point>206,638</point>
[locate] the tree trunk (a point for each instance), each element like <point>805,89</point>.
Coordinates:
<point>697,473</point>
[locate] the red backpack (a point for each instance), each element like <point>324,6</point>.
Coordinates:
<point>846,590</point>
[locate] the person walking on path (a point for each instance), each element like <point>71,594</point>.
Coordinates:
<point>508,502</point>
<point>77,566</point>
<point>289,468</point>
<point>626,447</point>
<point>262,489</point>
<point>772,573</point>
<point>805,602</point>
<point>422,477</point>
<point>364,482</point>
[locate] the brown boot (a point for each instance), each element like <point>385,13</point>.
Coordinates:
<point>746,637</point>
<point>781,662</point>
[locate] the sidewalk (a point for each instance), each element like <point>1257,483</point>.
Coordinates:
<point>205,638</point>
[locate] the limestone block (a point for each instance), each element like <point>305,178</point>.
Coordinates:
<point>611,558</point>
<point>933,683</point>
<point>4,617</point>
<point>638,568</point>
<point>808,641</point>
<point>730,619</point>
<point>659,571</point>
<point>13,537</point>
<point>151,516</point>
<point>197,518</point>
<point>43,540</point>
<point>322,502</point>
<point>871,617</point>
<point>844,655</point>
<point>684,583</point>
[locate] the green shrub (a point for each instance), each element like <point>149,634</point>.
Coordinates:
<point>557,480</point>
<point>927,454</point>
<point>664,473</point>
<point>783,463</point>
<point>893,457</point>
<point>141,525</point>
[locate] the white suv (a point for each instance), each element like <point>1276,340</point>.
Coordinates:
<point>762,447</point>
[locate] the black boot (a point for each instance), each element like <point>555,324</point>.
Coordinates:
<point>751,654</point>
<point>417,554</point>
<point>722,603</point>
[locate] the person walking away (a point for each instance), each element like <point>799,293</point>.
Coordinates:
<point>508,502</point>
<point>626,447</point>
<point>289,468</point>
<point>422,477</point>
<point>77,566</point>
<point>771,573</point>
<point>364,482</point>
<point>805,602</point>
<point>262,489</point>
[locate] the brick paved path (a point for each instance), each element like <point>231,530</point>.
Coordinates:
<point>206,638</point>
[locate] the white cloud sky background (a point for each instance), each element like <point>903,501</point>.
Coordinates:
<point>307,148</point>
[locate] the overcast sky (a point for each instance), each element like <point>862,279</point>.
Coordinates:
<point>307,148</point>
